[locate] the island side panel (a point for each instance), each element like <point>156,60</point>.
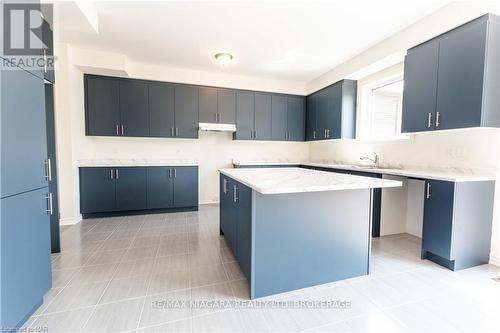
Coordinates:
<point>305,239</point>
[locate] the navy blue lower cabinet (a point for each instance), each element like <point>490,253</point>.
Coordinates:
<point>160,186</point>
<point>131,189</point>
<point>25,256</point>
<point>97,190</point>
<point>122,189</point>
<point>243,219</point>
<point>185,186</point>
<point>457,223</point>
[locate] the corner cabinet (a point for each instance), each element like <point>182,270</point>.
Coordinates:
<point>452,81</point>
<point>457,223</point>
<point>121,189</point>
<point>331,112</point>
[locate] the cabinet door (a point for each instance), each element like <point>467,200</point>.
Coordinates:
<point>208,105</point>
<point>279,126</point>
<point>23,132</point>
<point>460,76</point>
<point>97,190</point>
<point>48,40</point>
<point>161,110</point>
<point>52,159</point>
<point>224,198</point>
<point>230,217</point>
<point>131,193</point>
<point>244,115</point>
<point>296,118</point>
<point>26,269</point>
<point>226,106</point>
<point>102,106</point>
<point>160,185</point>
<point>311,117</point>
<point>321,114</point>
<point>134,113</point>
<point>420,87</point>
<point>244,228</point>
<point>438,218</point>
<point>262,130</point>
<point>186,112</point>
<point>185,186</point>
<point>334,115</point>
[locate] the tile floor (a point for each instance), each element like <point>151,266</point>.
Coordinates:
<point>116,274</point>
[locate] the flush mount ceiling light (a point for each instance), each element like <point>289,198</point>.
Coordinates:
<point>223,58</point>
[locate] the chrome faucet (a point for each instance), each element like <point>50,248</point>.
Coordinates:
<point>374,160</point>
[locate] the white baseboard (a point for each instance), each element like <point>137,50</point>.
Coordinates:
<point>71,220</point>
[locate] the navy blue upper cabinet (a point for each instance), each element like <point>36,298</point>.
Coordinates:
<point>23,132</point>
<point>311,117</point>
<point>102,106</point>
<point>420,87</point>
<point>331,112</point>
<point>161,110</point>
<point>134,113</point>
<point>208,105</point>
<point>226,110</point>
<point>452,81</point>
<point>186,111</point>
<point>97,190</point>
<point>460,76</point>
<point>185,186</point>
<point>296,118</point>
<point>279,125</point>
<point>262,129</point>
<point>245,115</point>
<point>131,190</point>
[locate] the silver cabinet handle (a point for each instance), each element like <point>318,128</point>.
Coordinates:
<point>224,185</point>
<point>235,193</point>
<point>49,209</point>
<point>117,129</point>
<point>255,134</point>
<point>314,134</point>
<point>429,120</point>
<point>122,129</point>
<point>175,173</point>
<point>437,119</point>
<point>111,173</point>
<point>327,132</point>
<point>48,170</point>
<point>428,192</point>
<point>116,174</point>
<point>169,173</point>
<point>171,131</point>
<point>176,131</point>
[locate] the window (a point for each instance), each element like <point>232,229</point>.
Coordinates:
<point>380,103</point>
<point>385,110</point>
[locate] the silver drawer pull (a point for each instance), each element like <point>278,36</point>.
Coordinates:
<point>49,204</point>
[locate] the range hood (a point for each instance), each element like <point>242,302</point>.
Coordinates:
<point>217,127</point>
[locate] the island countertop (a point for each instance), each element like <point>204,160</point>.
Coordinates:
<point>296,180</point>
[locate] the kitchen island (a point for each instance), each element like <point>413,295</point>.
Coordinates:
<point>292,228</point>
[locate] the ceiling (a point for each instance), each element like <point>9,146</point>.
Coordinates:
<point>284,40</point>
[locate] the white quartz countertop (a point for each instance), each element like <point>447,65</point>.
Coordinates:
<point>452,175</point>
<point>119,162</point>
<point>296,180</point>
